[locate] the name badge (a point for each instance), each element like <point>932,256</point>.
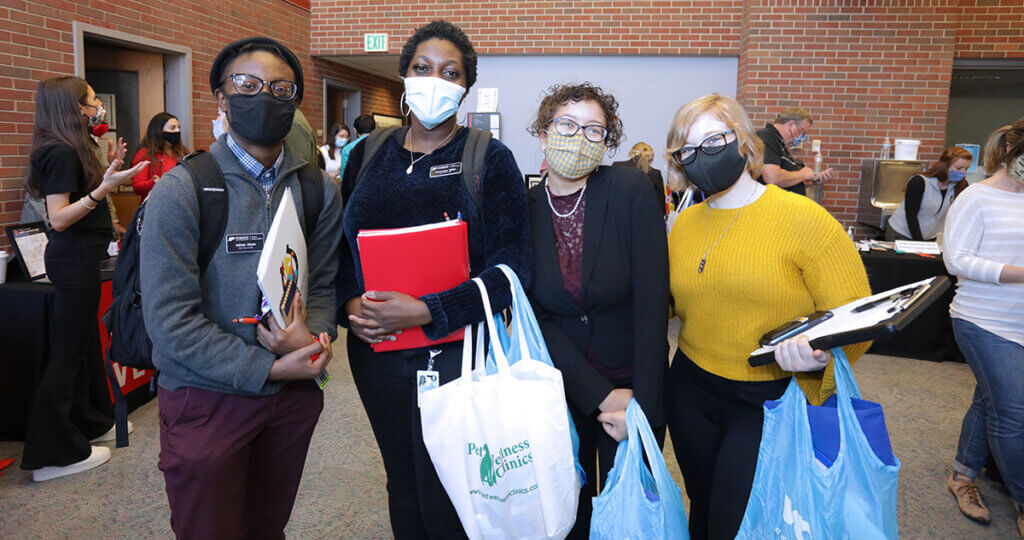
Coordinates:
<point>438,171</point>
<point>244,243</point>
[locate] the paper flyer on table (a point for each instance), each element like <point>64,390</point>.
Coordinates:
<point>282,271</point>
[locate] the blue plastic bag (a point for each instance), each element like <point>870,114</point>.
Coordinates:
<point>796,496</point>
<point>637,502</point>
<point>525,340</point>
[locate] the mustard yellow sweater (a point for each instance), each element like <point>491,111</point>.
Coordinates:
<point>784,256</point>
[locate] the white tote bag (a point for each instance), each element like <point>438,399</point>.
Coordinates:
<point>501,445</point>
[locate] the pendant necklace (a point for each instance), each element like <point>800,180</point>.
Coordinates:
<point>425,154</point>
<point>707,232</point>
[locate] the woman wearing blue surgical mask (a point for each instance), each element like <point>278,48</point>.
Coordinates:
<point>337,138</point>
<point>922,213</point>
<point>414,176</point>
<point>600,286</point>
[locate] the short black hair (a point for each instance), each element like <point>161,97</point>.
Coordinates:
<point>441,30</point>
<point>252,44</point>
<point>364,124</point>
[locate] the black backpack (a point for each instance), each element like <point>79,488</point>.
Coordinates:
<point>129,343</point>
<point>473,155</point>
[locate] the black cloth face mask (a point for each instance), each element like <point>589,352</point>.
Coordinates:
<point>171,138</point>
<point>262,118</point>
<point>716,173</point>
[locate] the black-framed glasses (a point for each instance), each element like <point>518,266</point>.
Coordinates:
<point>250,85</point>
<point>568,128</point>
<point>710,146</point>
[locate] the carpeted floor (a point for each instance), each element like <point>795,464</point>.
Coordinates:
<point>343,495</point>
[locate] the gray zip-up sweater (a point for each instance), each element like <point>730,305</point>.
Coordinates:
<point>188,316</point>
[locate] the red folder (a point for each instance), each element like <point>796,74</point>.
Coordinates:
<point>416,261</point>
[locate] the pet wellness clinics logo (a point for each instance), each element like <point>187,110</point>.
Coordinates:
<point>494,467</point>
<point>792,517</point>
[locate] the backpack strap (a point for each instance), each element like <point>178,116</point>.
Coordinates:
<point>473,155</point>
<point>211,192</point>
<point>372,144</point>
<point>312,185</point>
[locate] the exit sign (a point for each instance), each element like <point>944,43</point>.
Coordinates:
<point>375,42</point>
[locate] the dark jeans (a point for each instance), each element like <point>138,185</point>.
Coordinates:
<point>232,464</point>
<point>716,425</point>
<point>995,420</point>
<point>597,455</point>
<point>417,502</point>
<point>72,401</point>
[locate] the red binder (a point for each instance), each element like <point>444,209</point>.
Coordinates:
<point>416,261</point>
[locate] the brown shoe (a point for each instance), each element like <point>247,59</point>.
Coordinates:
<point>968,498</point>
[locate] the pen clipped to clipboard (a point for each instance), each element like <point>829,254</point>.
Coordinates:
<point>867,319</point>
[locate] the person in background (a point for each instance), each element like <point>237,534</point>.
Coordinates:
<point>641,156</point>
<point>396,189</point>
<point>237,403</point>
<point>601,309</point>
<point>337,138</point>
<point>743,262</point>
<point>71,408</point>
<point>922,213</point>
<point>302,141</point>
<point>364,124</point>
<point>780,167</point>
<point>162,148</point>
<point>983,246</point>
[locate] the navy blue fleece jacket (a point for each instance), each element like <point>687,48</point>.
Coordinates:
<point>385,197</point>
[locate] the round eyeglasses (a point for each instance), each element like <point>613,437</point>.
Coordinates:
<point>250,85</point>
<point>568,128</point>
<point>710,146</point>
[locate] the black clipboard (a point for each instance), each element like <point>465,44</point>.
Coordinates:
<point>886,328</point>
<point>22,229</point>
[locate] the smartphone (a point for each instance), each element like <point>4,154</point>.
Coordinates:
<point>794,328</point>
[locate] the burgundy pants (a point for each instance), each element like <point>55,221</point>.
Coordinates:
<point>232,464</point>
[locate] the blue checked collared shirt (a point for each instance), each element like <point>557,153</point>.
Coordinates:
<point>265,176</point>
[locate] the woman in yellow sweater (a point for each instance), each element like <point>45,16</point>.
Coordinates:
<point>745,261</point>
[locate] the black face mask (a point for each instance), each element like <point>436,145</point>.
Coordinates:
<point>261,118</point>
<point>172,139</point>
<point>717,172</point>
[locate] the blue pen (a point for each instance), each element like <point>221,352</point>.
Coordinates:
<point>458,217</point>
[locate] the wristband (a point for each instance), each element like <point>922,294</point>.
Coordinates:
<point>86,205</point>
<point>91,198</point>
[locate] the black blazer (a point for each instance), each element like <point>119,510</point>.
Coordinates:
<point>624,318</point>
<point>655,177</point>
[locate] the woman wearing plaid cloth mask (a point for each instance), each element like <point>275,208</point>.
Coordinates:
<point>600,287</point>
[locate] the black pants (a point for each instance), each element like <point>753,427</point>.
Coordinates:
<point>715,425</point>
<point>71,403</point>
<point>597,455</point>
<point>417,502</point>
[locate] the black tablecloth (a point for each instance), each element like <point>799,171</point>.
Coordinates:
<point>930,336</point>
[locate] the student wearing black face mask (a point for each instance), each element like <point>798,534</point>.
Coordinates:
<point>744,261</point>
<point>162,148</point>
<point>237,403</point>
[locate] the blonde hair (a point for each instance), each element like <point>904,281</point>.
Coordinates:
<point>643,154</point>
<point>995,149</point>
<point>729,111</point>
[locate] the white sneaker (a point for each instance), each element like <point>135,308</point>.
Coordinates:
<point>99,456</point>
<point>112,433</point>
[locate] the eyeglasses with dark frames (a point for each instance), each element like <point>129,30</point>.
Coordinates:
<point>250,85</point>
<point>710,146</point>
<point>568,128</point>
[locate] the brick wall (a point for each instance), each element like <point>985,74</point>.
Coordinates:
<point>36,42</point>
<point>379,95</point>
<point>705,27</point>
<point>990,29</point>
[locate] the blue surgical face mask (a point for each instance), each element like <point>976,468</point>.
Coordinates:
<point>433,100</point>
<point>956,176</point>
<point>340,141</point>
<point>799,139</point>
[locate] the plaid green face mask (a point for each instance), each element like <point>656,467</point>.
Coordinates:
<point>1015,169</point>
<point>573,157</point>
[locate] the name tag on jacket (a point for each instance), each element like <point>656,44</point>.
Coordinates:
<point>446,170</point>
<point>244,243</point>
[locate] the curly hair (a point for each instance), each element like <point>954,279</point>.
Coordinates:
<point>563,94</point>
<point>447,31</point>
